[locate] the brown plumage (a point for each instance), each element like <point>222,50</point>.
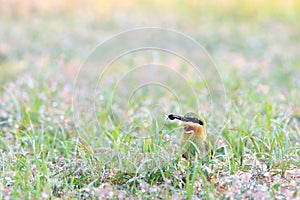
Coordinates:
<point>194,134</point>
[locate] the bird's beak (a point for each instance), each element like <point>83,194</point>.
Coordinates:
<point>173,116</point>
<point>182,118</point>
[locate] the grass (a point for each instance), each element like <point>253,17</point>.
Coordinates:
<point>46,153</point>
<point>43,156</point>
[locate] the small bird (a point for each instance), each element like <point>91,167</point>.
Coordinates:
<point>194,134</point>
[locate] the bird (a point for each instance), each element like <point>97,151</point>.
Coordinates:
<point>194,134</point>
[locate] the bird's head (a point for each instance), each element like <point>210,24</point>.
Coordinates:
<point>192,123</point>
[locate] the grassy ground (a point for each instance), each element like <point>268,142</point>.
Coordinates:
<point>43,153</point>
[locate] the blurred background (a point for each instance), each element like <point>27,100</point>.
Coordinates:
<point>255,45</point>
<point>60,34</point>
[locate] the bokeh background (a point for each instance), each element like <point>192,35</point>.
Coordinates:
<point>240,33</point>
<point>254,44</point>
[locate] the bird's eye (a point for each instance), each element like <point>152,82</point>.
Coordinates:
<point>200,122</point>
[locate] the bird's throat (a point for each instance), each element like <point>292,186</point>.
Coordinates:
<point>189,129</point>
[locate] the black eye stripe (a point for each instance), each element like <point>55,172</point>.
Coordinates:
<point>186,118</point>
<point>194,120</point>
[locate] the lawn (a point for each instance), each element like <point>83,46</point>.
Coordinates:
<point>84,97</point>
